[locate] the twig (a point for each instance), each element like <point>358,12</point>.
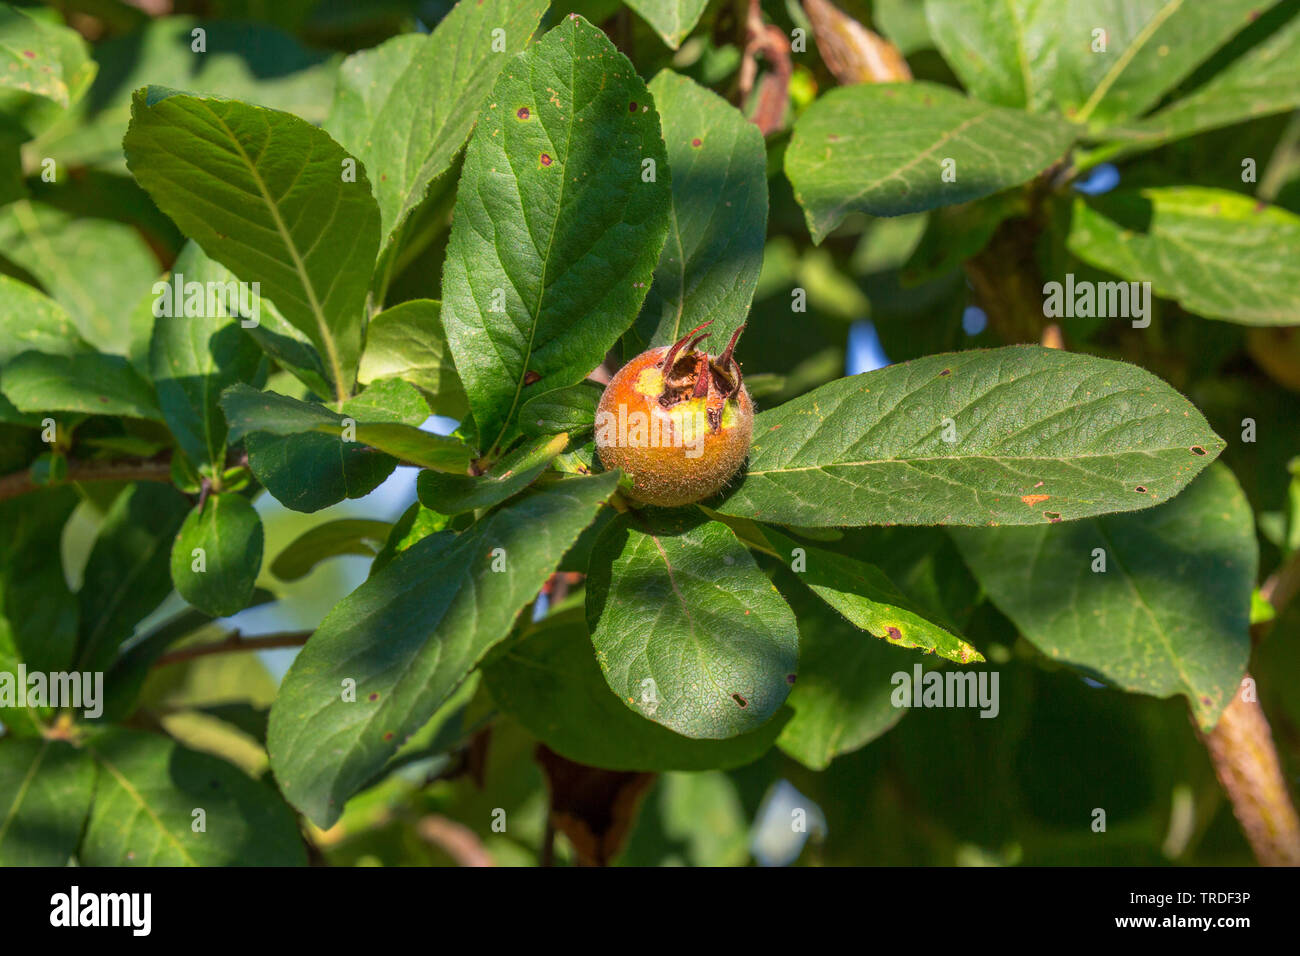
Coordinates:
<point>235,642</point>
<point>1245,761</point>
<point>123,469</point>
<point>774,91</point>
<point>458,841</point>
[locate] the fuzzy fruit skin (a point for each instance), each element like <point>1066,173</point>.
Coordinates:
<point>664,475</point>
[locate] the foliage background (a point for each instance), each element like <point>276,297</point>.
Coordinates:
<point>940,786</point>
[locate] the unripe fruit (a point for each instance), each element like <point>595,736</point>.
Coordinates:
<point>677,421</point>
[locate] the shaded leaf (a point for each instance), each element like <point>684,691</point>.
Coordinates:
<point>673,20</point>
<point>709,265</point>
<point>1217,253</point>
<point>1169,615</point>
<point>570,409</point>
<point>45,791</point>
<point>550,682</point>
<point>689,633</point>
<point>360,536</point>
<point>145,800</point>
<point>882,148</point>
<point>453,494</point>
<point>228,531</point>
<point>31,321</point>
<point>42,58</point>
<point>408,637</point>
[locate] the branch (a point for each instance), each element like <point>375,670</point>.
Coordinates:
<point>123,469</point>
<point>235,642</point>
<point>1245,761</point>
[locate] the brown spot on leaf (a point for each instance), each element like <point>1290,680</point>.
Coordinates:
<point>546,159</point>
<point>374,697</point>
<point>790,678</point>
<point>1053,516</point>
<point>530,377</point>
<point>1141,489</point>
<point>1032,500</point>
<point>697,142</point>
<point>631,107</point>
<point>1198,450</point>
<point>523,112</point>
<point>894,633</point>
<point>740,700</point>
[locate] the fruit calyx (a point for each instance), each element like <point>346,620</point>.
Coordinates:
<point>688,374</point>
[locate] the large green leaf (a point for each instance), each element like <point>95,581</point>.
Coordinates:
<point>689,632</point>
<point>92,267</point>
<point>881,148</point>
<point>228,532</point>
<point>147,799</point>
<point>45,791</point>
<point>556,232</point>
<point>42,58</point>
<point>38,613</point>
<point>1217,253</point>
<point>264,193</point>
<point>408,342</point>
<point>672,19</point>
<point>1039,435</point>
<point>1170,613</point>
<point>32,321</point>
<point>866,596</point>
<point>570,409</point>
<point>406,107</point>
<point>550,682</point>
<point>408,637</point>
<point>88,382</point>
<point>126,575</point>
<point>1036,55</point>
<point>250,411</point>
<point>192,358</point>
<point>842,699</point>
<point>709,266</point>
<point>1261,82</point>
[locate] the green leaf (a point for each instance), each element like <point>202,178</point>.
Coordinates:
<point>1039,435</point>
<point>709,266</point>
<point>38,613</point>
<point>550,682</point>
<point>1217,253</point>
<point>454,494</point>
<point>89,382</point>
<point>570,409</point>
<point>309,472</point>
<point>880,149</point>
<point>45,791</point>
<point>408,637</point>
<point>228,531</point>
<point>1032,55</point>
<point>249,411</point>
<point>1170,614</point>
<point>406,107</point>
<point>126,575</point>
<point>866,596</point>
<point>689,633</point>
<point>842,700</point>
<point>31,321</point>
<point>1260,82</point>
<point>92,267</point>
<point>408,342</point>
<point>360,536</point>
<point>263,192</point>
<point>417,523</point>
<point>556,233</point>
<point>192,358</point>
<point>41,58</point>
<point>144,813</point>
<point>672,19</point>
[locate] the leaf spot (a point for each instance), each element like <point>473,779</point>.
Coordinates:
<point>523,113</point>
<point>1032,500</point>
<point>740,700</point>
<point>1053,516</point>
<point>546,159</point>
<point>1198,450</point>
